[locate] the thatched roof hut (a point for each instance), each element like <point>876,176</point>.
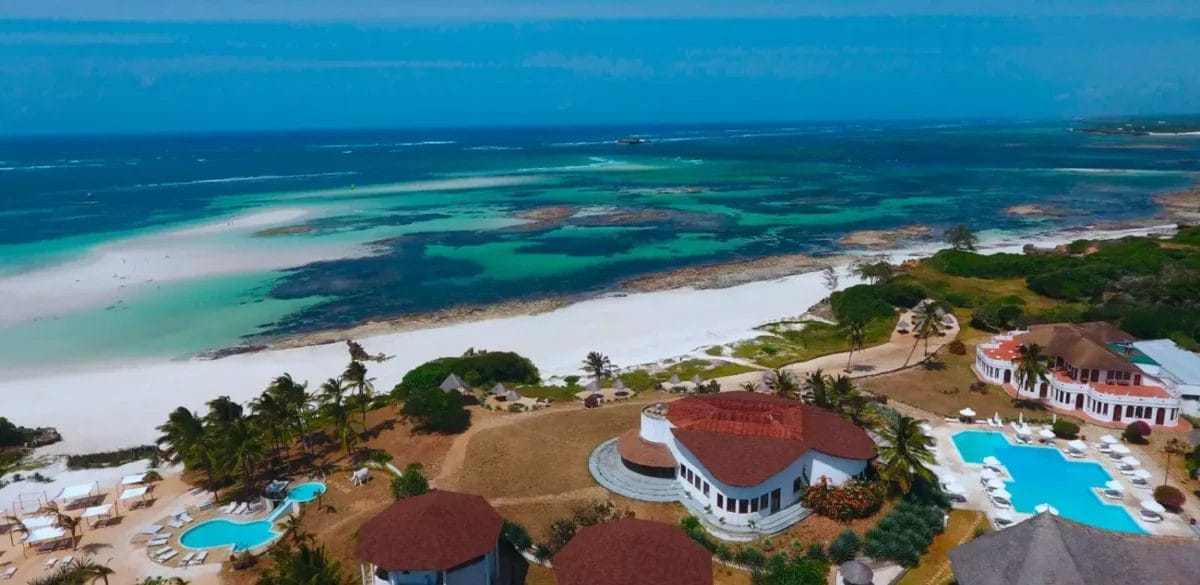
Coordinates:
<point>499,390</point>
<point>856,573</point>
<point>452,383</point>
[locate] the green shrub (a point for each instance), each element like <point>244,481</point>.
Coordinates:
<point>516,535</point>
<point>957,347</point>
<point>859,303</point>
<point>750,557</point>
<point>410,483</point>
<point>1170,497</point>
<point>815,551</point>
<point>905,533</point>
<point>959,299</point>
<point>844,547</point>
<point>902,294</point>
<point>1064,429</point>
<point>436,411</point>
<point>480,369</point>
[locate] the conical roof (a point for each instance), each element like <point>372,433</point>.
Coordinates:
<point>499,389</point>
<point>452,382</point>
<point>618,385</point>
<point>592,386</point>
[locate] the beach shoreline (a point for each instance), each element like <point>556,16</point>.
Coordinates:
<point>115,405</point>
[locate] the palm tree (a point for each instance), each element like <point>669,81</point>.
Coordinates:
<point>905,453</point>
<point>1031,368</point>
<point>296,533</point>
<point>960,237</point>
<point>356,376</point>
<point>242,449</point>
<point>222,411</point>
<point>296,403</point>
<point>1175,446</point>
<point>785,384</point>
<point>926,324</point>
<point>305,566</point>
<point>817,384</point>
<point>183,439</point>
<point>855,334</point>
<point>69,523</point>
<point>598,365</point>
<point>91,571</point>
<point>337,413</point>
<point>272,415</point>
<point>749,387</point>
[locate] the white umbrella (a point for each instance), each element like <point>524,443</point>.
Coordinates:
<point>991,461</point>
<point>967,412</point>
<point>1114,485</point>
<point>1024,431</point>
<point>1131,461</point>
<point>1046,434</point>
<point>926,427</point>
<point>994,484</point>
<point>987,474</point>
<point>1004,516</point>
<point>1021,418</point>
<point>1046,508</point>
<point>1111,440</point>
<point>1120,449</point>
<point>1002,495</point>
<point>1077,445</point>
<point>954,489</point>
<point>1153,506</point>
<point>1141,474</point>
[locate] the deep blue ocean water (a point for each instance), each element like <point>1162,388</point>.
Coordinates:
<point>432,215</point>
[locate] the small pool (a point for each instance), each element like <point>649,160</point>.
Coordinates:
<point>306,492</point>
<point>243,536</point>
<point>1043,475</point>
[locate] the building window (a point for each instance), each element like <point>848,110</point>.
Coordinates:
<point>682,471</point>
<point>797,484</point>
<point>706,488</point>
<point>720,501</point>
<point>730,504</point>
<point>754,504</point>
<point>743,506</point>
<point>764,501</point>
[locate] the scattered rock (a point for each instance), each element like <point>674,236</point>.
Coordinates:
<point>284,230</point>
<point>728,274</point>
<point>1181,205</point>
<point>1033,210</point>
<point>884,239</point>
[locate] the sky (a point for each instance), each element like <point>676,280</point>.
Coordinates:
<point>114,66</point>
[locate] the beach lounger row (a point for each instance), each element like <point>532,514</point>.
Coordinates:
<point>235,508</point>
<point>51,563</point>
<point>164,554</point>
<point>8,573</point>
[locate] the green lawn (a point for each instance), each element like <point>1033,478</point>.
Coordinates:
<point>783,345</point>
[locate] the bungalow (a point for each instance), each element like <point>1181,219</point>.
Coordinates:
<point>437,538</point>
<point>745,456</point>
<point>1099,372</point>
<point>1049,549</point>
<point>630,550</point>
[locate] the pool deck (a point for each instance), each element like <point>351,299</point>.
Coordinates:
<point>950,463</point>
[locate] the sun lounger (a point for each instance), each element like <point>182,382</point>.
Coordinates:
<point>151,529</point>
<point>157,542</point>
<point>8,573</point>
<point>206,504</point>
<point>161,551</point>
<point>49,564</point>
<point>175,523</point>
<point>240,509</point>
<point>187,518</point>
<point>1149,517</point>
<point>186,558</point>
<point>170,555</point>
<point>1113,494</point>
<point>200,558</point>
<point>228,508</point>
<point>67,560</point>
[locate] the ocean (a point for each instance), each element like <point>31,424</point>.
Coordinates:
<point>162,246</point>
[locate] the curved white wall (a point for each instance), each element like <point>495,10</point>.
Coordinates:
<point>654,428</point>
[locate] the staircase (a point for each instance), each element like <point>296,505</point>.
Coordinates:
<point>607,469</point>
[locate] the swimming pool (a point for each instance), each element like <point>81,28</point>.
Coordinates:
<point>1043,475</point>
<point>243,536</point>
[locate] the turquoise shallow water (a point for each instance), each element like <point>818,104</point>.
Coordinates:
<point>440,212</point>
<point>1042,475</point>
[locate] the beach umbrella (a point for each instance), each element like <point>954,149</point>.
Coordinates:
<point>696,380</point>
<point>926,427</point>
<point>1131,461</point>
<point>1004,516</point>
<point>1141,474</point>
<point>1111,440</point>
<point>856,573</point>
<point>1002,495</point>
<point>1120,449</point>
<point>1046,434</point>
<point>902,324</point>
<point>592,386</point>
<point>1021,418</point>
<point>512,396</point>
<point>967,412</point>
<point>995,484</point>
<point>1153,506</point>
<point>1077,445</point>
<point>499,390</point>
<point>1024,431</point>
<point>1114,485</point>
<point>674,380</point>
<point>988,474</point>
<point>618,385</point>
<point>991,461</point>
<point>1042,508</point>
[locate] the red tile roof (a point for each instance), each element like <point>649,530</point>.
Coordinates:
<point>744,438</point>
<point>635,449</point>
<point>1122,390</point>
<point>630,551</point>
<point>431,532</point>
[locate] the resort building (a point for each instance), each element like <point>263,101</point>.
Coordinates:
<point>629,551</point>
<point>1049,549</point>
<point>437,538</point>
<point>1099,372</point>
<point>743,456</point>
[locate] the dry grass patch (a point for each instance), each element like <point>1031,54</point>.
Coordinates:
<point>934,568</point>
<point>545,454</point>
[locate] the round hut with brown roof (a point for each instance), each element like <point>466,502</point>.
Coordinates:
<point>629,551</point>
<point>441,537</point>
<point>745,455</point>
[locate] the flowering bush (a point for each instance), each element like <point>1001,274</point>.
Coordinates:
<point>1171,498</point>
<point>850,501</point>
<point>1136,432</point>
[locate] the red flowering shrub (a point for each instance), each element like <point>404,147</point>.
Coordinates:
<point>1136,432</point>
<point>850,501</point>
<point>1170,497</point>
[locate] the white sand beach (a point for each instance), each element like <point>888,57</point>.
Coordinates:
<point>119,405</point>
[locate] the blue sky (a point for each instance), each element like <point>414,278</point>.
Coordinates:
<point>141,65</point>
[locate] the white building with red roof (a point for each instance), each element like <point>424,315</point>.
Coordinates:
<point>745,456</point>
<point>1097,372</point>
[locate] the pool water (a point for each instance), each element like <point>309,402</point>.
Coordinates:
<point>1044,475</point>
<point>242,536</point>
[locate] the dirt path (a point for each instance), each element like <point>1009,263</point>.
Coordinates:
<point>589,493</point>
<point>898,353</point>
